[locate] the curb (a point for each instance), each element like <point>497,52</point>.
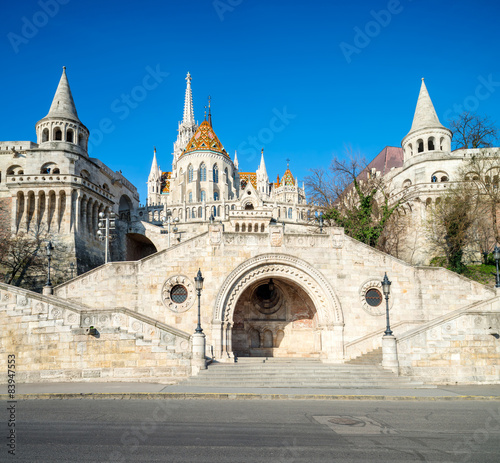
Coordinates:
<point>231,396</point>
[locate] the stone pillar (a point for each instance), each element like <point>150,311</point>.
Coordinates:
<point>198,362</point>
<point>390,354</point>
<point>217,328</point>
<point>48,290</point>
<point>332,342</point>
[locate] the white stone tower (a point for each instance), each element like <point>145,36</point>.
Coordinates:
<point>262,177</point>
<point>427,134</point>
<point>154,182</point>
<point>187,127</point>
<point>61,124</point>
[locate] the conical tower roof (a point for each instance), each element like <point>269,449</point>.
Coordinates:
<point>205,139</point>
<point>63,105</point>
<point>425,114</point>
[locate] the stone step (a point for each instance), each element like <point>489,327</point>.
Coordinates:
<point>310,385</point>
<point>373,357</point>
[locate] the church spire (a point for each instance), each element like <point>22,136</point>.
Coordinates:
<point>425,114</point>
<point>188,118</point>
<point>63,104</point>
<point>235,162</point>
<point>154,173</point>
<point>209,111</point>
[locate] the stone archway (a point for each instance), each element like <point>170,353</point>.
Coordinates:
<point>291,271</point>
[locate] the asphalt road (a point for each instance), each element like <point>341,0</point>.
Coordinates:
<point>252,431</point>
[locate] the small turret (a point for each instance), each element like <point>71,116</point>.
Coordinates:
<point>427,134</point>
<point>262,177</point>
<point>62,124</point>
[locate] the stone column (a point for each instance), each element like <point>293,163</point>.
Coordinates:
<point>390,354</point>
<point>198,363</point>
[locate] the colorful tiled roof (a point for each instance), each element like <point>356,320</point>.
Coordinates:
<point>205,140</point>
<point>246,177</point>
<point>287,179</point>
<point>165,182</point>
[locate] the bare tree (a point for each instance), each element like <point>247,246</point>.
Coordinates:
<point>473,131</point>
<point>452,224</point>
<point>353,198</point>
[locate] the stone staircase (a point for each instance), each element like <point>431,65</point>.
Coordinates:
<point>297,373</point>
<point>373,357</point>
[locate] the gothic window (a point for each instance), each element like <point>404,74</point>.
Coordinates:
<point>203,196</point>
<point>57,134</point>
<point>430,144</point>
<point>262,228</point>
<point>190,173</point>
<point>216,173</point>
<point>190,196</point>
<point>420,146</point>
<point>237,228</point>
<point>203,172</point>
<point>214,211</point>
<point>69,136</point>
<point>216,196</point>
<point>290,213</point>
<point>227,175</point>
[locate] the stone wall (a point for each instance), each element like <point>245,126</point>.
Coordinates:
<point>5,217</point>
<point>345,265</point>
<point>48,337</point>
<point>462,347</point>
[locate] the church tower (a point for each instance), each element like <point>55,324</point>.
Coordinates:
<point>427,134</point>
<point>61,124</point>
<point>187,127</point>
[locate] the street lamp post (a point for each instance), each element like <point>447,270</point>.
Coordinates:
<point>496,256</point>
<point>47,289</point>
<point>168,220</point>
<point>321,223</point>
<point>198,282</point>
<point>106,225</point>
<point>386,288</point>
<point>72,269</point>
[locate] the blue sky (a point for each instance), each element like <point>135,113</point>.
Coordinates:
<point>301,79</point>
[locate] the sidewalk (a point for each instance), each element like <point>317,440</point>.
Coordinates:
<point>138,390</point>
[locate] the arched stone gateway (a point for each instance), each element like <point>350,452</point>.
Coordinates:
<point>291,275</point>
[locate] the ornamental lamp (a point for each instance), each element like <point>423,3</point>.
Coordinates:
<point>198,281</point>
<point>386,286</point>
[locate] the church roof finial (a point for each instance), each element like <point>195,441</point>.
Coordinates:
<point>63,104</point>
<point>209,111</point>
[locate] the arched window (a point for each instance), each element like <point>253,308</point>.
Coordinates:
<point>203,172</point>
<point>227,175</point>
<point>193,215</point>
<point>81,141</point>
<point>45,135</point>
<point>203,196</point>
<point>430,144</point>
<point>262,228</point>
<point>216,173</point>
<point>244,228</point>
<point>216,196</point>
<point>410,149</point>
<point>190,196</point>
<point>237,228</point>
<point>214,211</point>
<point>57,134</point>
<point>290,213</point>
<point>420,146</point>
<point>190,173</point>
<point>69,136</point>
